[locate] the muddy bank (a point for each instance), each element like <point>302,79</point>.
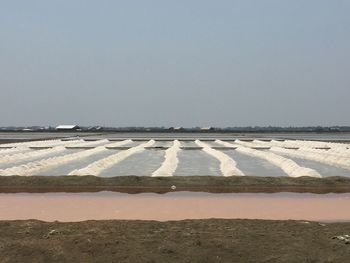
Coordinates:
<point>173,241</point>
<point>143,184</point>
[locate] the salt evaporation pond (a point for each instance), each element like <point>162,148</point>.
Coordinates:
<point>254,166</point>
<point>163,144</point>
<point>33,159</point>
<point>188,144</point>
<point>174,156</point>
<point>72,165</point>
<point>196,162</point>
<point>134,143</point>
<point>140,164</point>
<point>174,206</point>
<point>323,169</point>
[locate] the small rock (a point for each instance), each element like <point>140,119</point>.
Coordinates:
<point>344,238</point>
<point>173,187</point>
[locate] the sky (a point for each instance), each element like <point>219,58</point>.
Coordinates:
<point>175,63</point>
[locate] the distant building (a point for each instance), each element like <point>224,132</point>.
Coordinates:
<point>207,129</point>
<point>67,128</point>
<point>95,128</point>
<point>176,129</point>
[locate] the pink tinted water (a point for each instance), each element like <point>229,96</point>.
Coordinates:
<point>68,207</point>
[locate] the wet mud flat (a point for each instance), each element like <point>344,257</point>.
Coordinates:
<point>211,240</point>
<point>144,184</point>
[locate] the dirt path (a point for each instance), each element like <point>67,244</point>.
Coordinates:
<point>143,184</point>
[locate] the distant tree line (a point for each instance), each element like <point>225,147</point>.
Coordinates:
<point>248,129</point>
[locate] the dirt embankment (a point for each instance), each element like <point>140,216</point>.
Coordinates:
<point>142,184</point>
<point>176,241</point>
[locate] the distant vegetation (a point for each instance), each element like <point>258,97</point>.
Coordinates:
<point>248,129</point>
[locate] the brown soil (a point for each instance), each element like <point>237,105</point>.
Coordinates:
<point>173,241</point>
<point>142,184</point>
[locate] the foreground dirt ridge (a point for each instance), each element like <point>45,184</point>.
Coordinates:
<point>143,184</point>
<point>173,241</point>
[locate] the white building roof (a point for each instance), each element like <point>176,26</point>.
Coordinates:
<point>66,127</point>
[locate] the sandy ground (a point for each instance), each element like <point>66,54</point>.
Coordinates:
<point>176,241</point>
<point>68,207</point>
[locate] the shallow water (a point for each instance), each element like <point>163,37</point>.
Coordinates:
<point>191,161</point>
<point>174,206</point>
<point>73,165</point>
<point>254,166</point>
<point>323,169</point>
<point>141,164</point>
<point>188,144</point>
<point>197,162</point>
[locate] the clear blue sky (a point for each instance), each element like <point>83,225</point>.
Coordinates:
<point>175,63</point>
